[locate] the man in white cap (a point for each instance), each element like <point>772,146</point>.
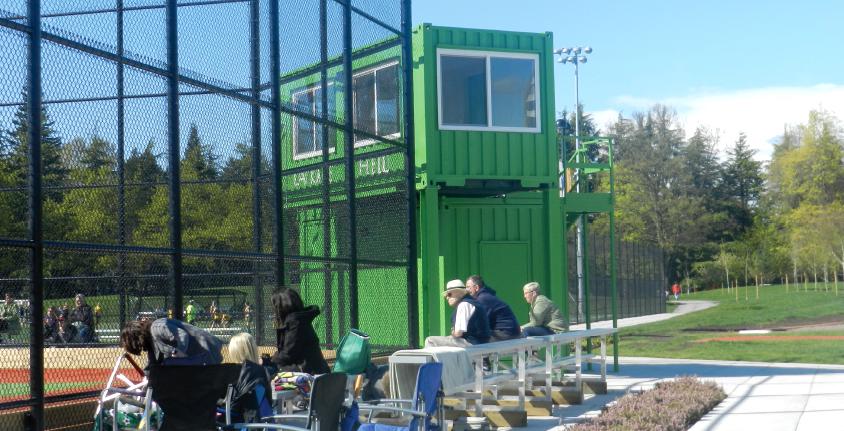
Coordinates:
<point>469,324</point>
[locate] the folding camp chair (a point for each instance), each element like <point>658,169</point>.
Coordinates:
<point>188,394</point>
<point>324,411</point>
<point>425,412</point>
<point>126,388</point>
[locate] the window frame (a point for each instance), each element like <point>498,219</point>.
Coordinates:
<point>317,125</point>
<point>374,69</point>
<point>487,55</point>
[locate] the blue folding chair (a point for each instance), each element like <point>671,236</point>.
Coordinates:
<point>425,412</point>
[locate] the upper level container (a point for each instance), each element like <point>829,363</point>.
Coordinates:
<point>484,109</point>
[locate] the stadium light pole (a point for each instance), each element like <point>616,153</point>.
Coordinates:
<point>576,56</point>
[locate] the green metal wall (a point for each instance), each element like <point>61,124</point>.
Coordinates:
<point>508,240</point>
<point>451,157</point>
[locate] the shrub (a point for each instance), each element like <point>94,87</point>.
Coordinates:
<point>670,406</point>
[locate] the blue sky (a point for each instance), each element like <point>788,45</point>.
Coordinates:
<point>750,66</point>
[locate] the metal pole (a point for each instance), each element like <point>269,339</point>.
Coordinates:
<point>613,286</point>
<point>328,309</point>
<point>175,209</point>
<point>350,164</point>
<point>407,90</point>
<point>579,239</point>
<point>278,198</point>
<point>121,173</point>
<point>255,58</point>
<point>36,234</point>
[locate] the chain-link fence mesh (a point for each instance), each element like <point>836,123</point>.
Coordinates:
<point>640,279</point>
<point>204,153</point>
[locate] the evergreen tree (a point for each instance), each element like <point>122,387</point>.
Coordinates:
<point>742,182</point>
<point>199,162</point>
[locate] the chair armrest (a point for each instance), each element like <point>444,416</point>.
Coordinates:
<point>392,409</point>
<point>300,417</point>
<point>237,427</point>
<point>385,401</point>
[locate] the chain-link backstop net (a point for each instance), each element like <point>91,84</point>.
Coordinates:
<point>192,157</point>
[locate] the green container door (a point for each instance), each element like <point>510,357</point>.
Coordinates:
<point>505,266</point>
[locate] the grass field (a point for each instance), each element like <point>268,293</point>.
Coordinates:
<point>799,313</point>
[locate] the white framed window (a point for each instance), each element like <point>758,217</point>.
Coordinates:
<point>376,99</point>
<point>488,91</point>
<point>307,134</point>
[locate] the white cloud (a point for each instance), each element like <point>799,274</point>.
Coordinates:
<point>761,113</point>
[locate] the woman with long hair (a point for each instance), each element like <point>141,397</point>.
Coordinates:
<point>296,339</point>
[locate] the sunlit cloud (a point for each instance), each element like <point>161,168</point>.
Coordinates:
<point>761,113</point>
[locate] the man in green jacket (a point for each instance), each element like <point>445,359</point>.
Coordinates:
<point>545,316</point>
<point>10,317</point>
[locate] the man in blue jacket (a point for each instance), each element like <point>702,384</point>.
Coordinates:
<point>502,320</point>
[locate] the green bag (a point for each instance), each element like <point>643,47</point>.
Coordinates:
<point>353,353</point>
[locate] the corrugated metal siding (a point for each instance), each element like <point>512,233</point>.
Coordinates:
<point>465,223</point>
<point>454,155</point>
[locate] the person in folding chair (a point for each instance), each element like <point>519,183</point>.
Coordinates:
<point>252,396</point>
<point>185,370</point>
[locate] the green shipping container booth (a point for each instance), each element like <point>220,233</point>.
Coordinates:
<point>487,175</point>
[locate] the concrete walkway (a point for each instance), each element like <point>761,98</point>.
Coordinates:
<point>760,395</point>
<point>684,307</point>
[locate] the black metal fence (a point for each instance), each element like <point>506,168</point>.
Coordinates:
<point>640,279</point>
<point>177,168</point>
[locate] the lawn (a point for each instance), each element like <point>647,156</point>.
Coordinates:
<point>685,336</point>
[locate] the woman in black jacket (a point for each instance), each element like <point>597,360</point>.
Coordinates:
<point>298,343</point>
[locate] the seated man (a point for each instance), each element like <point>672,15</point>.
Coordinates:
<point>545,316</point>
<point>502,320</point>
<point>469,324</point>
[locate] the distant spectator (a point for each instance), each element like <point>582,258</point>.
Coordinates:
<point>10,314</point>
<point>296,340</point>
<point>171,342</point>
<point>98,313</point>
<point>544,316</point>
<point>675,289</point>
<point>82,317</point>
<point>51,325</point>
<point>190,312</point>
<point>469,323</point>
<point>502,320</point>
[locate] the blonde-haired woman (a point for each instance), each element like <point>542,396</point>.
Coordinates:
<point>252,396</point>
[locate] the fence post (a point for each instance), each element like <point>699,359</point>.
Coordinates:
<point>174,158</point>
<point>121,173</point>
<point>407,89</point>
<point>255,75</point>
<point>36,234</point>
<point>349,141</point>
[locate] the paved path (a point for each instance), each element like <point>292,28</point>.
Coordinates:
<point>684,308</point>
<point>760,395</point>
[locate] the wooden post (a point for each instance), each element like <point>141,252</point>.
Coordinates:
<point>757,286</point>
<point>786,283</point>
<point>735,288</point>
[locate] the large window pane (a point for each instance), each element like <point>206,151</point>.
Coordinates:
<point>513,92</point>
<point>304,137</point>
<point>387,89</point>
<point>364,88</point>
<point>463,90</point>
